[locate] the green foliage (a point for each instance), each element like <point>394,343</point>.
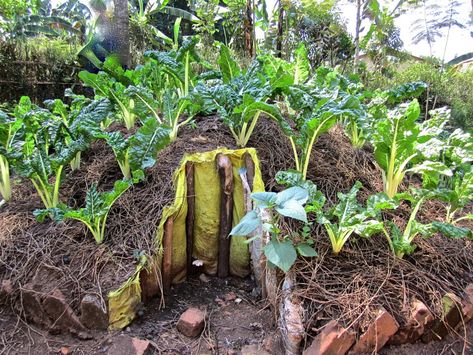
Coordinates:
<point>239,97</point>
<point>396,140</point>
<point>94,214</point>
<point>349,217</point>
<point>281,250</point>
<point>318,105</point>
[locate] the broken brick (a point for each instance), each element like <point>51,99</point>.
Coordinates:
<point>253,349</point>
<point>191,323</point>
<point>452,315</point>
<point>332,340</point>
<point>420,319</point>
<point>377,334</point>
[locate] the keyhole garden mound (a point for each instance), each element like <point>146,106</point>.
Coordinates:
<point>54,275</point>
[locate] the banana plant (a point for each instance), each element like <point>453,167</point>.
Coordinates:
<point>94,214</point>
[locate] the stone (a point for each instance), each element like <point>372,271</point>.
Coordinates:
<point>377,334</point>
<point>65,351</point>
<point>231,296</point>
<point>452,315</point>
<point>60,313</point>
<point>191,323</point>
<point>149,283</point>
<point>93,312</point>
<point>332,340</point>
<point>272,343</point>
<point>204,278</point>
<point>6,291</point>
<point>32,306</point>
<point>419,320</point>
<point>253,349</point>
<point>126,345</point>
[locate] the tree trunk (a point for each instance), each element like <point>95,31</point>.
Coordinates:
<point>357,33</point>
<point>280,30</point>
<point>122,33</point>
<point>248,27</point>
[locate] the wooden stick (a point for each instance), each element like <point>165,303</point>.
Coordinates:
<point>225,170</point>
<point>250,169</point>
<point>190,214</point>
<point>167,255</point>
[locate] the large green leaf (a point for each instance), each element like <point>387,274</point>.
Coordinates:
<point>228,66</point>
<point>282,254</point>
<point>247,225</point>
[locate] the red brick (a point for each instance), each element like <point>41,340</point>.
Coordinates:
<point>377,334</point>
<point>332,340</point>
<point>191,322</point>
<point>420,319</point>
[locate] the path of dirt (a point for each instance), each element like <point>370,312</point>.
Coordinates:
<point>235,318</point>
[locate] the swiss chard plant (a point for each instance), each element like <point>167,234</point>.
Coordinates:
<point>401,242</point>
<point>318,105</point>
<point>137,152</point>
<point>397,140</point>
<point>239,97</point>
<point>349,217</point>
<point>94,214</point>
<point>9,133</point>
<point>80,109</point>
<point>280,247</point>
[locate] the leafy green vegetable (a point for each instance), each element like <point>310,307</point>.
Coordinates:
<point>9,131</point>
<point>94,214</point>
<point>318,104</point>
<point>349,217</point>
<point>396,139</point>
<point>239,98</point>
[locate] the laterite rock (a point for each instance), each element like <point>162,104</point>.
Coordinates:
<point>93,313</point>
<point>332,340</point>
<point>377,334</point>
<point>420,319</point>
<point>60,313</point>
<point>32,306</point>
<point>191,323</point>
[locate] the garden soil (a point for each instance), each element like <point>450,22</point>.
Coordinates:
<point>348,287</point>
